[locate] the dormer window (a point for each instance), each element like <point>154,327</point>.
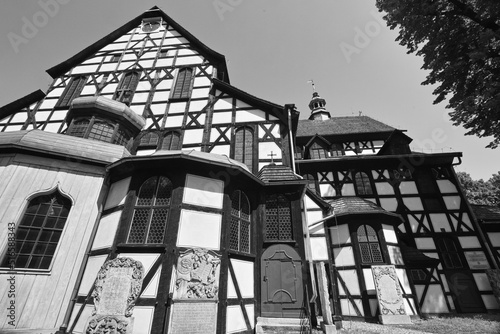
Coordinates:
<point>97,129</point>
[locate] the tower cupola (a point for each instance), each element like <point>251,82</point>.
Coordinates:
<point>317,106</point>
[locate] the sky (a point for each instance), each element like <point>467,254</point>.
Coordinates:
<point>272,48</point>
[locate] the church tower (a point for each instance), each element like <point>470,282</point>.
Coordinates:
<point>318,110</point>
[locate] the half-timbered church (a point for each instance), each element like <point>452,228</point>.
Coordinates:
<point>143,193</point>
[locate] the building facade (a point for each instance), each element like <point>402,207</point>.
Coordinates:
<point>143,165</point>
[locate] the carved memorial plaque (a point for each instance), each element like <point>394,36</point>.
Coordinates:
<point>389,295</point>
<point>117,287</point>
<point>197,275</point>
<point>193,318</point>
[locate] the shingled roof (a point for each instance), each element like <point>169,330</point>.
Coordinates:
<point>341,126</point>
<point>486,212</point>
<point>356,206</point>
<point>277,173</point>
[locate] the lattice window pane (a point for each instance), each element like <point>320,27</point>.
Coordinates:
<point>149,139</point>
<point>235,204</point>
<point>164,192</point>
<point>79,128</point>
<point>239,238</point>
<point>245,237</point>
<point>363,185</point>
<point>234,232</point>
<point>157,226</point>
<point>365,253</point>
<point>139,226</point>
<point>376,253</point>
<point>371,234</point>
<point>171,141</point>
<point>278,219</point>
<point>101,131</point>
<point>147,191</point>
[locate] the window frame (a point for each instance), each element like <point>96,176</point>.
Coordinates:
<point>245,151</point>
<point>66,204</point>
<point>238,220</point>
<point>186,89</point>
<point>279,199</point>
<point>127,88</point>
<point>70,93</point>
<point>365,182</point>
<point>380,242</point>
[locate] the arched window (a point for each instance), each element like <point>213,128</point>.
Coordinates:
<point>369,245</point>
<point>182,88</point>
<point>39,232</point>
<point>151,211</point>
<point>278,218</point>
<point>239,230</point>
<point>363,185</point>
<point>126,88</point>
<point>243,146</point>
<point>171,141</point>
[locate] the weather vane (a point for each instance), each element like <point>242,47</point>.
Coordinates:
<point>312,83</point>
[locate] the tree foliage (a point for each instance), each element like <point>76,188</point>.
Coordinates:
<point>460,44</point>
<point>481,192</point>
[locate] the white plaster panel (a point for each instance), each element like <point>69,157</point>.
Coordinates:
<point>241,104</point>
<point>395,255</point>
<point>164,62</point>
<point>199,92</point>
<point>452,202</point>
<point>343,256</point>
<point>466,221</point>
<point>93,265</point>
<point>425,243</point>
<point>389,204</point>
<point>221,149</point>
<point>162,96</point>
<point>384,188</point>
<point>340,235</point>
<point>142,153</point>
<point>231,290</point>
<point>409,309</point>
<point>494,238</point>
<point>446,186</point>
<point>482,282</point>
<point>82,320</point>
<point>165,84</point>
<point>140,97</point>
<point>48,103</point>
<point>188,60</point>
<point>348,190</point>
<point>177,107</point>
<point>193,136</point>
<point>413,203</point>
<point>403,280</point>
<point>235,322</point>
<point>109,88</point>
<point>435,301</point>
<point>174,121</point>
<point>197,105</point>
<point>224,103</point>
<point>199,229</point>
<point>57,115</point>
<point>52,127</point>
<point>203,191</point>
<point>152,289</point>
<point>22,116</point>
<point>327,190</point>
<point>107,230</point>
<point>313,216</point>
<point>419,289</point>
<point>369,283</point>
<point>266,148</point>
<point>319,249</point>
<point>440,221</point>
<point>221,117</point>
<point>146,63</point>
<point>243,271</point>
<point>146,259</point>
<point>158,108</point>
<point>250,116</point>
<point>408,188</point>
<point>250,308</point>
<point>309,203</point>
<point>88,90</point>
<point>350,278</point>
<point>117,193</point>
<point>469,242</point>
<point>84,69</point>
<point>389,234</point>
<point>143,318</point>
<point>348,309</point>
<point>125,65</point>
<point>490,302</point>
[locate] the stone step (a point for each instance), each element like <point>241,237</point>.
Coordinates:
<point>282,326</point>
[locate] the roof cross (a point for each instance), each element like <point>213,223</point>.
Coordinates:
<point>272,155</point>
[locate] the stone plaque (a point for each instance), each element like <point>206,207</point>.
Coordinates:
<point>197,275</point>
<point>477,260</point>
<point>193,318</point>
<point>116,289</point>
<point>389,295</point>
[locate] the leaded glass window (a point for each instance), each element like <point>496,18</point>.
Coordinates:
<point>449,254</point>
<point>243,146</point>
<point>101,131</point>
<point>39,231</point>
<point>171,141</point>
<point>369,245</point>
<point>239,229</point>
<point>278,218</point>
<point>151,208</point>
<point>363,185</point>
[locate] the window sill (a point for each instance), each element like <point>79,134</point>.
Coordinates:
<point>24,271</point>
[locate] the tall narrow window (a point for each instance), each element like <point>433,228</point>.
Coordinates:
<point>171,141</point>
<point>449,253</point>
<point>182,88</point>
<point>239,231</point>
<point>278,218</point>
<point>363,185</point>
<point>39,232</point>
<point>369,245</point>
<point>72,91</point>
<point>243,146</point>
<point>151,211</point>
<point>125,91</point>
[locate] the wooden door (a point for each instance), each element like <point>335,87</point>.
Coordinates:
<point>282,293</point>
<point>464,293</point>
